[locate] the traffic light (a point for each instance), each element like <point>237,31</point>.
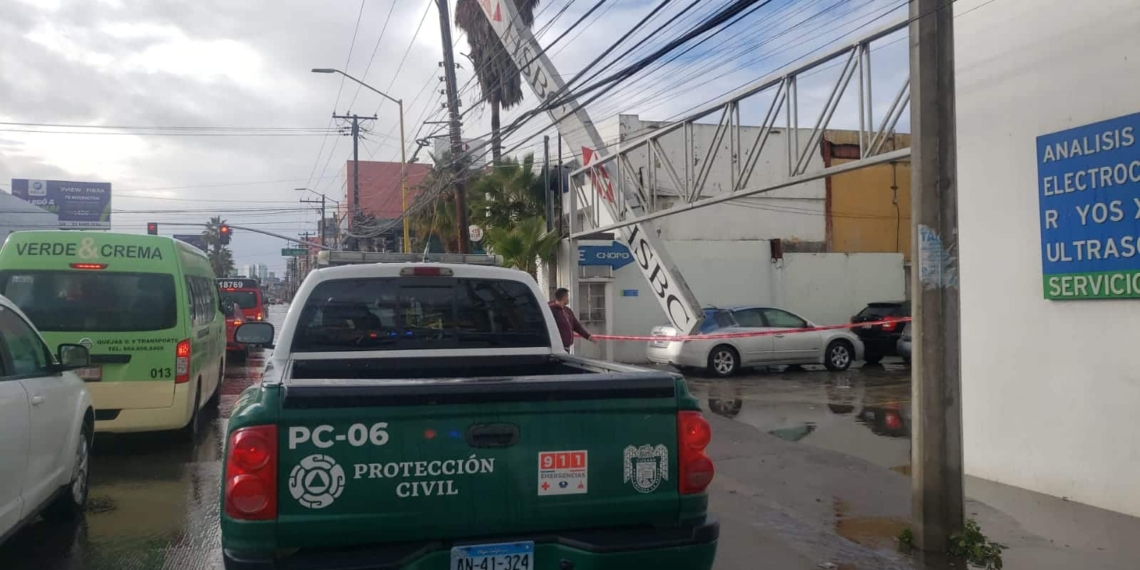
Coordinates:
<point>224,235</point>
<point>151,228</point>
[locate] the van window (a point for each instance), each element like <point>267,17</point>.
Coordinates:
<point>77,301</point>
<point>407,313</point>
<point>200,293</point>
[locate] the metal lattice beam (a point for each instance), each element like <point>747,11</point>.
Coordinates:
<point>689,178</point>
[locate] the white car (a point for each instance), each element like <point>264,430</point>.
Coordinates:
<point>46,425</point>
<point>793,342</point>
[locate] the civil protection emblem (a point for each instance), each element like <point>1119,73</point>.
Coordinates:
<point>646,467</point>
<point>316,481</point>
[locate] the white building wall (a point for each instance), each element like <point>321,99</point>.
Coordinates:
<point>829,288</point>
<point>1049,388</point>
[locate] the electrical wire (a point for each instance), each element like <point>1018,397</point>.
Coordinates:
<point>339,90</point>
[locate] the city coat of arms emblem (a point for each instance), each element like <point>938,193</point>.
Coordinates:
<point>646,467</point>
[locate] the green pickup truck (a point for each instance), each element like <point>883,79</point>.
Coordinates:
<point>424,416</point>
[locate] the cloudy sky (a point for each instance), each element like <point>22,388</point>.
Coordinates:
<point>224,117</point>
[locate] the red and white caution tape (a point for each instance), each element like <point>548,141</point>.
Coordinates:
<point>722,336</point>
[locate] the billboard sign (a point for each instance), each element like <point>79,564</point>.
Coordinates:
<point>192,239</point>
<point>78,205</point>
<point>1088,185</point>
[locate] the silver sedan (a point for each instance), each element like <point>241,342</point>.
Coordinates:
<point>792,340</point>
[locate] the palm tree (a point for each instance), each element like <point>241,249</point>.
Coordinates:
<point>221,258</point>
<point>499,78</point>
<point>222,261</point>
<point>511,192</point>
<point>523,244</point>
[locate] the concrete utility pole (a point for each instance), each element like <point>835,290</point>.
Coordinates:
<point>936,473</point>
<point>355,133</point>
<point>456,136</point>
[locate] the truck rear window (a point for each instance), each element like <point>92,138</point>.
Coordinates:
<point>77,301</point>
<point>880,310</point>
<point>244,299</point>
<point>408,313</point>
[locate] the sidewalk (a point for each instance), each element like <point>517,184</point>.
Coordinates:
<point>791,506</point>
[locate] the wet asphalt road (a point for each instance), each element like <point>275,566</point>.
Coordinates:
<point>154,502</point>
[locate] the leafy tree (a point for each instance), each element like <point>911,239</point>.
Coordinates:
<point>499,77</point>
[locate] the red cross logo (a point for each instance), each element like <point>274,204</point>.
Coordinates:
<point>545,486</point>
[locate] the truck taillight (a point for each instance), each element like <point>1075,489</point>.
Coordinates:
<point>259,315</point>
<point>251,474</point>
<point>182,362</point>
<point>693,436</point>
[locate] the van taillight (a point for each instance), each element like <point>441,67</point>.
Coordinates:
<point>182,362</point>
<point>693,436</point>
<point>259,315</point>
<point>251,474</point>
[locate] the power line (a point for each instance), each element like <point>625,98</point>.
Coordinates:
<point>336,103</point>
<point>372,58</point>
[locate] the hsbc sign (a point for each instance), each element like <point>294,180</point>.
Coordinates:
<point>648,253</point>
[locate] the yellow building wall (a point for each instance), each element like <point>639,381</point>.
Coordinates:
<point>864,215</point>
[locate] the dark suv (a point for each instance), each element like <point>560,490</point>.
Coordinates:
<point>881,340</point>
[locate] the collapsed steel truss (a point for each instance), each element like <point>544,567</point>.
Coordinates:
<point>689,179</point>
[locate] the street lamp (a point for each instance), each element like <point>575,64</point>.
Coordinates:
<point>403,158</point>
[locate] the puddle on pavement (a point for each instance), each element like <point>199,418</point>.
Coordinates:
<point>873,532</point>
<point>863,413</point>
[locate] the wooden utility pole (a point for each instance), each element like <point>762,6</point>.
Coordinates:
<point>456,136</point>
<point>355,133</point>
<point>936,472</point>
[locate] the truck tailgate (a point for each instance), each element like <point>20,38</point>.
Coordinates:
<point>378,461</point>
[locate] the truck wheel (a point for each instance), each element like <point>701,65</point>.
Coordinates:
<point>724,361</point>
<point>217,396</point>
<point>190,431</point>
<point>872,357</point>
<point>71,501</point>
<point>838,355</point>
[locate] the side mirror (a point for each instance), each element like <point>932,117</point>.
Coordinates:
<point>73,356</point>
<point>254,334</point>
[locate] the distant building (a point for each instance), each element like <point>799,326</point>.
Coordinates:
<point>381,195</point>
<point>17,215</point>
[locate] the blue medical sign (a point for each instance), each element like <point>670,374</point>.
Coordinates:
<point>614,255</point>
<point>78,205</point>
<point>1088,184</point>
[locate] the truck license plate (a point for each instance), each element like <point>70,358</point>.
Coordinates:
<point>90,374</point>
<point>506,556</point>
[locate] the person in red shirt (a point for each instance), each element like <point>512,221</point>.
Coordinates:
<point>567,323</point>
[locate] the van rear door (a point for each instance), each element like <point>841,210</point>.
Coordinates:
<point>128,320</point>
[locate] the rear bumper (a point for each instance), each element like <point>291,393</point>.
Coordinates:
<point>687,548</point>
<point>149,419</point>
<point>880,344</point>
<point>686,354</point>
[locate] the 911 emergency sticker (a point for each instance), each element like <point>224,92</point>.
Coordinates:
<point>316,481</point>
<point>562,473</point>
<point>325,436</point>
